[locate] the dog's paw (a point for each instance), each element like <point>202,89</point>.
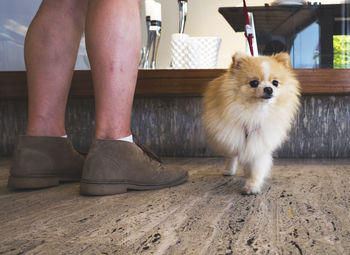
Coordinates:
<point>228,173</point>
<point>250,189</point>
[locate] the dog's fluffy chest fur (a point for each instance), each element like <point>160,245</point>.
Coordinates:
<point>243,129</point>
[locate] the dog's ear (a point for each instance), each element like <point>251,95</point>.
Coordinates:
<point>237,59</point>
<point>283,58</point>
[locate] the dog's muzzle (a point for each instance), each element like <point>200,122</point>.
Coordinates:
<point>268,92</point>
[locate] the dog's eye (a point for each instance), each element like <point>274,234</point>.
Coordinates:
<point>254,83</point>
<point>275,83</point>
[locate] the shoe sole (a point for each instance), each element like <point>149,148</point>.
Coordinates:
<point>23,182</point>
<point>101,189</point>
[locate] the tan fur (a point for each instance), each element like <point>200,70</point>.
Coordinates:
<point>245,127</point>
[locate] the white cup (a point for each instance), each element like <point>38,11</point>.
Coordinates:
<point>202,52</point>
<point>179,44</point>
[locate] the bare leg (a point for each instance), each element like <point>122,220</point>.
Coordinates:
<point>231,166</point>
<point>257,171</point>
<point>113,43</point>
<point>50,51</point>
<point>113,39</point>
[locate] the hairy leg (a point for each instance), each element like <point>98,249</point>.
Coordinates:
<point>113,39</point>
<point>50,51</point>
<point>256,172</point>
<point>231,166</point>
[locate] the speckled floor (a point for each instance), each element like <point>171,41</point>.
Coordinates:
<point>303,209</point>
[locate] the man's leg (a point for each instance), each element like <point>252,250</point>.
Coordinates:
<point>42,158</point>
<point>113,44</point>
<point>51,48</point>
<point>113,39</point>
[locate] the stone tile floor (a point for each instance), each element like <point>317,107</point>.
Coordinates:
<point>304,209</point>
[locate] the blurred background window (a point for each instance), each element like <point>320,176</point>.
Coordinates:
<point>316,35</point>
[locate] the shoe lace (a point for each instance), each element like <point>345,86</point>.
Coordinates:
<point>146,149</point>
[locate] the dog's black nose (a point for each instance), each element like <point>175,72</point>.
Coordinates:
<point>268,90</point>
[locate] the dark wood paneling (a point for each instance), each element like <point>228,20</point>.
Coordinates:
<point>324,81</point>
<point>175,82</point>
<point>183,82</point>
<point>13,84</point>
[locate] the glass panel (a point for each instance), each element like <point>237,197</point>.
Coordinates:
<point>341,45</point>
<point>316,35</point>
<point>15,17</point>
<point>305,48</point>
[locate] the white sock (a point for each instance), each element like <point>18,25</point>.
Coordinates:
<point>126,139</point>
<point>64,136</point>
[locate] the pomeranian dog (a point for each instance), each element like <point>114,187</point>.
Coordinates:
<point>248,111</point>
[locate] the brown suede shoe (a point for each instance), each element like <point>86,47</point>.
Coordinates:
<point>113,167</point>
<point>41,161</point>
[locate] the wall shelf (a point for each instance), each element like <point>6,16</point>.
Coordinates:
<point>182,82</point>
